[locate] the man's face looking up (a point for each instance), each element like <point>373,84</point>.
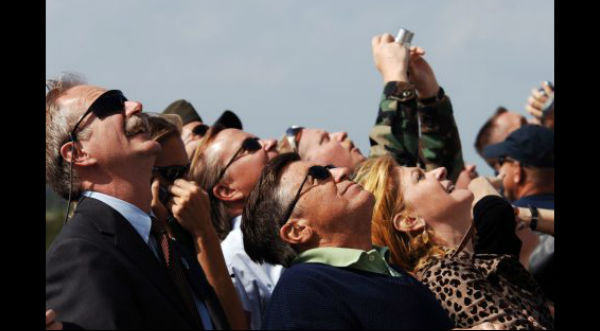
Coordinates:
<point>329,148</point>
<point>244,171</point>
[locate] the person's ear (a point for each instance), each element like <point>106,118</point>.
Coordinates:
<point>519,172</point>
<point>225,192</point>
<point>296,232</point>
<point>74,152</point>
<point>404,223</point>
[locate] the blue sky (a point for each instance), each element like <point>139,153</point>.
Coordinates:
<point>277,63</point>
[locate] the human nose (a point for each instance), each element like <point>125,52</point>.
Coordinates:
<point>340,174</point>
<point>268,144</point>
<point>440,173</point>
<point>340,135</point>
<point>132,107</point>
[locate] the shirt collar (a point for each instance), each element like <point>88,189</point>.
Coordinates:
<point>236,222</point>
<point>135,216</point>
<point>339,257</point>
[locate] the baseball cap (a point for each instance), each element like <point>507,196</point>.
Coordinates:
<point>531,145</point>
<point>229,120</point>
<point>184,109</point>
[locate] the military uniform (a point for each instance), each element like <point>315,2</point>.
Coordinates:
<point>396,131</point>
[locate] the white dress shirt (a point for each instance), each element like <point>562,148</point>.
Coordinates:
<point>253,282</point>
<point>142,224</point>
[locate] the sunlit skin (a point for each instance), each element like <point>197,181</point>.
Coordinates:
<point>432,199</point>
<point>504,125</point>
<point>337,210</point>
<point>109,161</point>
<point>329,148</point>
<point>186,132</point>
<point>241,176</point>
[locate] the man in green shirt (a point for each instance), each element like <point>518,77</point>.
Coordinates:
<point>317,223</point>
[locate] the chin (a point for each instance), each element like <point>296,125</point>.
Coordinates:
<point>358,158</point>
<point>152,147</point>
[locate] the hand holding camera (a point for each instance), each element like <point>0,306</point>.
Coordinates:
<point>186,201</point>
<point>391,58</point>
<point>190,205</point>
<point>421,74</point>
<point>541,104</point>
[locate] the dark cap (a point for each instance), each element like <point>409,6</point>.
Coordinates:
<point>229,120</point>
<point>184,109</point>
<point>531,145</point>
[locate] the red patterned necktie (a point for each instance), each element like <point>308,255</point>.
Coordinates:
<point>174,268</point>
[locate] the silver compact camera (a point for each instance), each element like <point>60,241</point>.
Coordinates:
<point>404,37</point>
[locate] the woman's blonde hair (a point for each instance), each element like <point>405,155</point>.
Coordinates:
<point>410,251</point>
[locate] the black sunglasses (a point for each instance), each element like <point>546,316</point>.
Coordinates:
<point>200,130</point>
<point>316,172</point>
<point>172,173</point>
<point>109,103</point>
<point>249,144</point>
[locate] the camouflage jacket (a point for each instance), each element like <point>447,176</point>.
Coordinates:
<point>396,131</point>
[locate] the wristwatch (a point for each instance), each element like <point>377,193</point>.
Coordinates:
<point>401,91</point>
<point>534,217</point>
<point>439,96</point>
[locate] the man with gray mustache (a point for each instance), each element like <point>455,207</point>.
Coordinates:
<point>112,265</point>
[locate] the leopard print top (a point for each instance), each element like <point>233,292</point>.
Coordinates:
<point>486,288</point>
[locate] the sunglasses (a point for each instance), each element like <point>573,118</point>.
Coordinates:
<point>292,135</point>
<point>249,144</point>
<point>109,103</point>
<point>316,172</point>
<point>172,173</point>
<point>200,130</point>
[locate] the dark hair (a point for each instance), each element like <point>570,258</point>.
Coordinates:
<point>483,136</point>
<point>263,215</point>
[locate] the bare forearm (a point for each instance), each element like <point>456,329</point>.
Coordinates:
<point>210,257</point>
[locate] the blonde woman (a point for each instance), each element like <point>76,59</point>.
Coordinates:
<point>427,224</point>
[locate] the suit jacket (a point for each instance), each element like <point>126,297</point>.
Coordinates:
<point>100,274</point>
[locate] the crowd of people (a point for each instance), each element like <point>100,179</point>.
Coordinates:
<point>181,224</point>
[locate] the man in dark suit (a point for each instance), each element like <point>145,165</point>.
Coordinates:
<point>110,268</point>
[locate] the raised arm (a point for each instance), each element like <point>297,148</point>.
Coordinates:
<point>396,130</point>
<point>191,208</point>
<point>439,142</point>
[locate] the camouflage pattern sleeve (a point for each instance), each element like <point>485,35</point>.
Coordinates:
<point>440,142</point>
<point>396,129</point>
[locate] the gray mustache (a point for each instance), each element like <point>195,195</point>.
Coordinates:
<point>136,124</point>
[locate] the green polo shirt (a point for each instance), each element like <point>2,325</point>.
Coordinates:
<point>372,261</point>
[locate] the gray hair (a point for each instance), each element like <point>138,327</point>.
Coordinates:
<point>59,120</point>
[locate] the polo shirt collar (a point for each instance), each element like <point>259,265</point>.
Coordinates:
<point>339,257</point>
